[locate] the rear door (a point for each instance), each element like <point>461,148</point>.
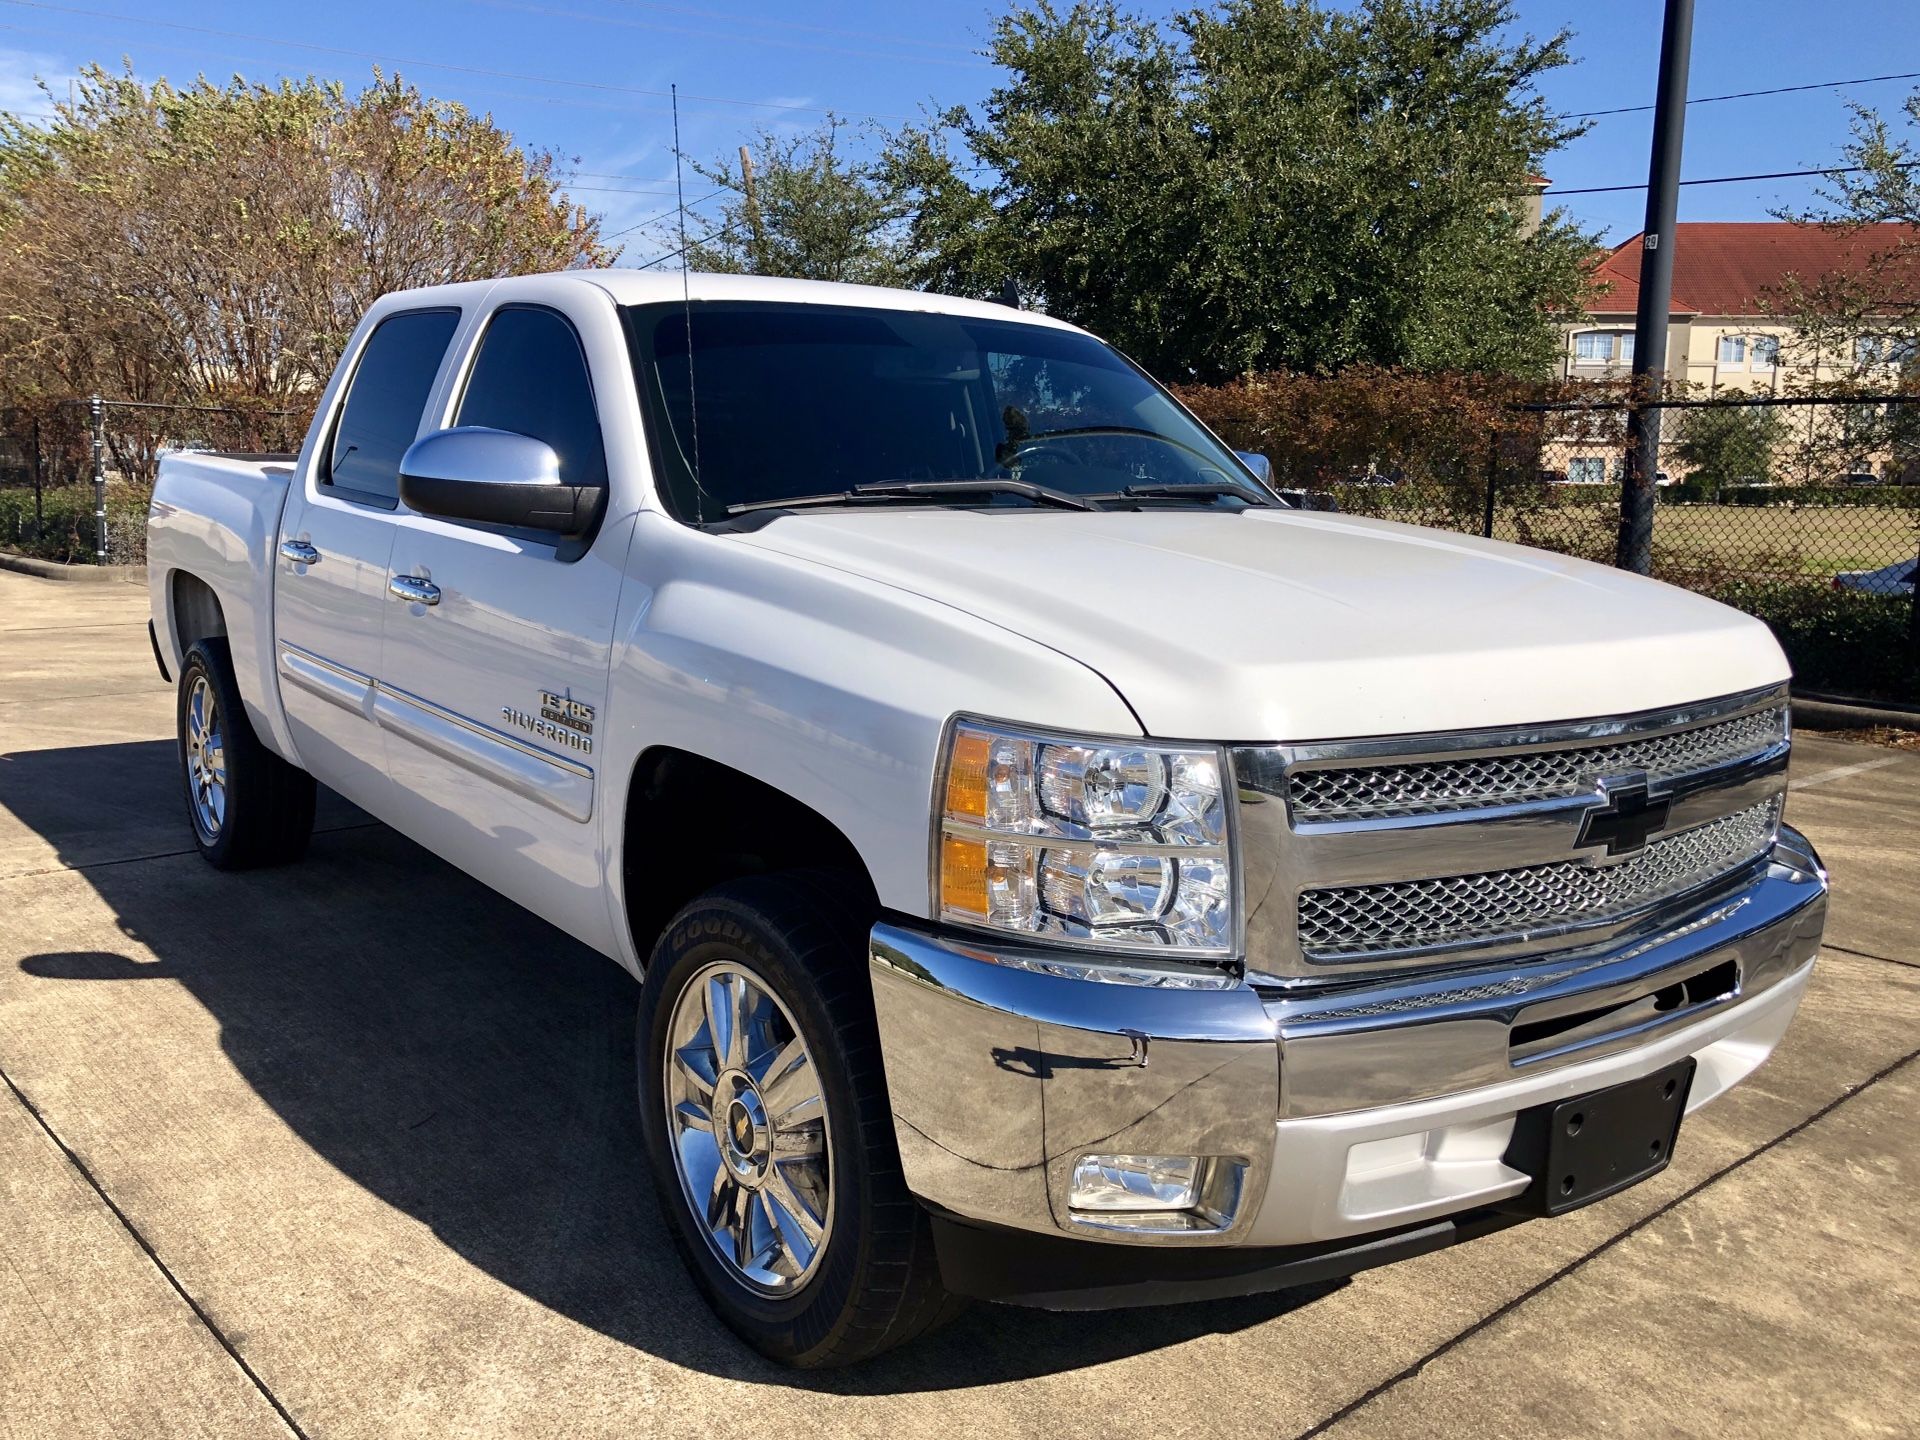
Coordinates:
<point>330,595</point>
<point>493,696</point>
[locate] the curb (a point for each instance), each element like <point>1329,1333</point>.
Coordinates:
<point>1822,714</point>
<point>89,574</point>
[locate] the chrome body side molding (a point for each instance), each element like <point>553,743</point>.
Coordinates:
<point>348,689</point>
<point>556,781</point>
<point>553,780</point>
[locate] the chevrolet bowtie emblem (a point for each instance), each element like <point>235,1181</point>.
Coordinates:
<point>1627,817</point>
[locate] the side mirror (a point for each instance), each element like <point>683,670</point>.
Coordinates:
<point>495,477</point>
<point>1261,466</point>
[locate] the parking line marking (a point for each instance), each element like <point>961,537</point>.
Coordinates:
<point>1572,1266</point>
<point>166,1271</point>
<point>1841,772</point>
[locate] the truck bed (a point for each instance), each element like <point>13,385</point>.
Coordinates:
<point>213,522</point>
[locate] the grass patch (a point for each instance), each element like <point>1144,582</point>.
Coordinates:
<point>1811,541</point>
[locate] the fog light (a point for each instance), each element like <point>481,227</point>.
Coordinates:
<point>1133,1183</point>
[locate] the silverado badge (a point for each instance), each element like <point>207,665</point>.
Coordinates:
<point>561,719</point>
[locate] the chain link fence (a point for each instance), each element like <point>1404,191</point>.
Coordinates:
<point>1804,512</point>
<point>75,474</point>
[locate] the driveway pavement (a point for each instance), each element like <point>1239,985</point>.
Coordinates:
<point>348,1149</point>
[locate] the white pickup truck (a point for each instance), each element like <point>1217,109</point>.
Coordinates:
<point>1059,871</point>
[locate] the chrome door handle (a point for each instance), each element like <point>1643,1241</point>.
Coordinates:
<point>414,588</point>
<point>300,552</point>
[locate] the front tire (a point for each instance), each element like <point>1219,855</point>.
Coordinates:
<point>768,1129</point>
<point>246,805</point>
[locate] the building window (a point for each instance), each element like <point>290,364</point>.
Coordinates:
<point>1626,349</point>
<point>1587,470</point>
<point>1766,352</point>
<point>1594,347</point>
<point>1883,350</point>
<point>1733,351</point>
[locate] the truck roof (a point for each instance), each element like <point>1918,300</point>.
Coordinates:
<point>649,287</point>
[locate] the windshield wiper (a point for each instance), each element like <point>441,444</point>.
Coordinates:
<point>1209,491</point>
<point>932,491</point>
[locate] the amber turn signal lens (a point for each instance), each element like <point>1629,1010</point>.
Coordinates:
<point>967,779</point>
<point>963,874</point>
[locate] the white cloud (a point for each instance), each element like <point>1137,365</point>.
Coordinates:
<point>19,72</point>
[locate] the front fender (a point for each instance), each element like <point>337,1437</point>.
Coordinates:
<point>831,687</point>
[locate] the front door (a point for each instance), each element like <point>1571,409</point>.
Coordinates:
<point>330,595</point>
<point>494,677</point>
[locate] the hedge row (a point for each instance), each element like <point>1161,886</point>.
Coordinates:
<point>1841,641</point>
<point>66,530</point>
<point>1887,497</point>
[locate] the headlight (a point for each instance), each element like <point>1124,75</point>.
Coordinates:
<point>1116,844</point>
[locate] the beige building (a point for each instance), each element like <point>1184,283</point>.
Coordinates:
<point>1726,337</point>
<point>1725,332</point>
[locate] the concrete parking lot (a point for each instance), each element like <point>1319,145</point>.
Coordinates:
<point>348,1149</point>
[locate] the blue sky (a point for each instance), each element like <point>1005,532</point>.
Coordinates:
<point>579,76</point>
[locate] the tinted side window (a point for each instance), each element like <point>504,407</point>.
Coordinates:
<point>531,378</point>
<point>384,401</point>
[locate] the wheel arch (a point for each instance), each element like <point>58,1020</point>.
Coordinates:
<point>194,613</point>
<point>693,822</point>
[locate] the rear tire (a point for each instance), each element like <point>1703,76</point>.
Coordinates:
<point>803,1236</point>
<point>247,807</point>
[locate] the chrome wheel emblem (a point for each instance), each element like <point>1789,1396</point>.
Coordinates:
<point>206,761</point>
<point>748,1127</point>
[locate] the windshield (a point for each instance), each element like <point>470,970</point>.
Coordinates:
<point>809,400</point>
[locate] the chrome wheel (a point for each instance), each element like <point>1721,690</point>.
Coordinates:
<point>206,760</point>
<point>747,1126</point>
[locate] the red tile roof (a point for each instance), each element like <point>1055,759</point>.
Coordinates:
<point>1728,267</point>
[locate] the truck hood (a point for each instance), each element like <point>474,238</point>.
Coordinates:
<point>1285,625</point>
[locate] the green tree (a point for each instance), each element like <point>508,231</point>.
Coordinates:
<point>1265,184</point>
<point>1863,318</point>
<point>815,210</point>
<point>1733,446</point>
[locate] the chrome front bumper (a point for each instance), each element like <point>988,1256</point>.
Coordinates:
<point>1343,1112</point>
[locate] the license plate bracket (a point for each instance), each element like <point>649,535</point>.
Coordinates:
<point>1595,1145</point>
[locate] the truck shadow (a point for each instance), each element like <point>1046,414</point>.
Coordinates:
<point>473,1067</point>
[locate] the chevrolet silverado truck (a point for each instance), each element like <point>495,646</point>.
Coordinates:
<point>1057,869</point>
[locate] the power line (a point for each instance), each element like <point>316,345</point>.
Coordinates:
<point>661,215</point>
<point>379,58</point>
<point>1742,95</point>
<point>794,25</point>
<point>1732,179</point>
<point>560,184</point>
<point>742,35</point>
<point>570,102</point>
<point>675,254</point>
<point>614,175</point>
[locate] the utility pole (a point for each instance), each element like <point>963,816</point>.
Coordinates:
<point>1635,551</point>
<point>753,209</point>
<point>97,416</point>
<point>39,512</point>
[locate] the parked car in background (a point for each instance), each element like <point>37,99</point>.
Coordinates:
<point>1894,579</point>
<point>1057,870</point>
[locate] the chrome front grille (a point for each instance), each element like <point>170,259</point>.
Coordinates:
<point>1359,920</point>
<point>1371,792</point>
<point>1411,851</point>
